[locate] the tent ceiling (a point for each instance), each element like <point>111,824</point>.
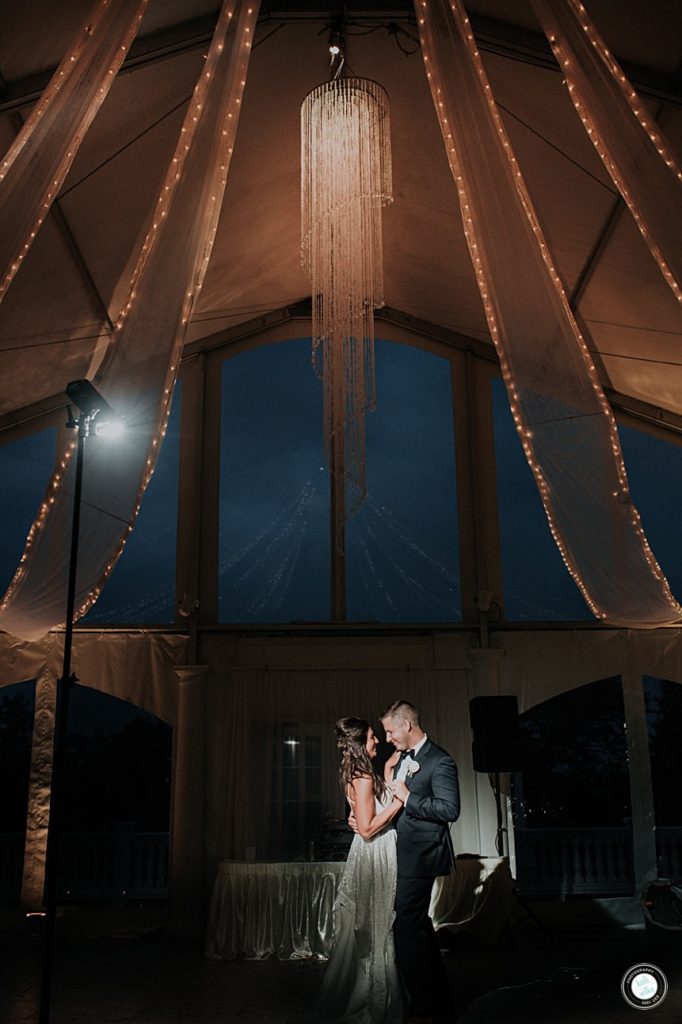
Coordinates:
<point>55,310</point>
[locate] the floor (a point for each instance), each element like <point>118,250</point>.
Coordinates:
<point>134,970</point>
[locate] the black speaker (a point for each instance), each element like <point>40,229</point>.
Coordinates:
<point>497,734</point>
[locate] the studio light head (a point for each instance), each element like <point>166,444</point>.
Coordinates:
<point>95,407</point>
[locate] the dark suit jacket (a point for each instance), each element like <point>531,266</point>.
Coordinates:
<point>424,843</point>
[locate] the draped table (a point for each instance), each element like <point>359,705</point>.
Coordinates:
<point>476,898</point>
<point>285,910</point>
<point>266,910</point>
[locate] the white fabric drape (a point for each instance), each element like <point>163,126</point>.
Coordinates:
<point>260,911</point>
<point>33,169</point>
<point>563,418</point>
<point>138,372</point>
<point>253,712</point>
<point>630,144</point>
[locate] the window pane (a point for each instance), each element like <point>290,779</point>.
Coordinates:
<point>575,760</point>
<point>654,469</point>
<point>402,545</point>
<point>25,468</point>
<point>572,817</point>
<point>117,765</point>
<point>142,586</point>
<point>536,583</point>
<point>274,488</point>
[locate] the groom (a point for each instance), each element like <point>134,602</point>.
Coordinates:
<point>425,778</point>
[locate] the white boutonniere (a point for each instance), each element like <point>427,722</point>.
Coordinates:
<point>411,766</point>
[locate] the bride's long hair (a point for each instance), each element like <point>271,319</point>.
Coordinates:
<point>351,739</point>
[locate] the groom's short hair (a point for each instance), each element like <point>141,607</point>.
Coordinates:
<point>402,709</point>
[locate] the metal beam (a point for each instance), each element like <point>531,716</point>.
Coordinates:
<point>492,36</point>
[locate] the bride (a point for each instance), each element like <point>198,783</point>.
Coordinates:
<point>360,983</point>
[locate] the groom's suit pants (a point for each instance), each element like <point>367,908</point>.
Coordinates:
<point>417,951</point>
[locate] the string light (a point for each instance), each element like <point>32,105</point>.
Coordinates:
<point>104,41</point>
<point>232,62</point>
<point>217,57</point>
<point>624,97</point>
<point>602,406</point>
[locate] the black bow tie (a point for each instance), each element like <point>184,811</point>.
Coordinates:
<point>406,753</point>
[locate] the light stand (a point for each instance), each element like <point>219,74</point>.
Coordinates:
<point>92,406</point>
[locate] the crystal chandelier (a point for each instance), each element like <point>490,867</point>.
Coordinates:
<point>345,180</point>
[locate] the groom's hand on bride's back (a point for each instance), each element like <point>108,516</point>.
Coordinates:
<point>352,822</point>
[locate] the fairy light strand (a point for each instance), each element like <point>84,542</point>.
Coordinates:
<point>218,58</point>
<point>228,67</point>
<point>36,164</point>
<point>602,94</point>
<point>460,24</point>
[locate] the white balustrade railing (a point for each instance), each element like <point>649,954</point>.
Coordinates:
<point>119,866</point>
<point>125,865</point>
<point>574,861</point>
<point>588,861</point>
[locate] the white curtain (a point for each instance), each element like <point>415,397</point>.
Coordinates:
<point>139,370</point>
<point>561,413</point>
<point>631,145</point>
<point>33,169</point>
<point>253,713</point>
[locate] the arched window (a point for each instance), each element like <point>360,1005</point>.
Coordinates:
<point>116,812</point>
<point>572,816</point>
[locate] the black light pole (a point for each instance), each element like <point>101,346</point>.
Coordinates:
<point>91,405</point>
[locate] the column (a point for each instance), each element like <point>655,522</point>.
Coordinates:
<point>641,787</point>
<point>39,792</point>
<point>187,817</point>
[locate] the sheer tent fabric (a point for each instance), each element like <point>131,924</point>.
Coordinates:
<point>582,482</point>
<point>36,164</point>
<point>138,372</point>
<point>563,418</point>
<point>631,145</point>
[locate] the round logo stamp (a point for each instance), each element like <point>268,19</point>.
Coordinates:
<point>644,986</point>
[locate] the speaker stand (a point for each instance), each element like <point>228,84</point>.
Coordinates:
<point>528,912</point>
<point>500,833</point>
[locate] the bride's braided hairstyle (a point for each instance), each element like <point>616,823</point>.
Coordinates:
<point>351,739</point>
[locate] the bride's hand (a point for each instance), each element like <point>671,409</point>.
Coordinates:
<point>393,759</point>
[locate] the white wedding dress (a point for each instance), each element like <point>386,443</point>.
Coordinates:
<point>360,983</point>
